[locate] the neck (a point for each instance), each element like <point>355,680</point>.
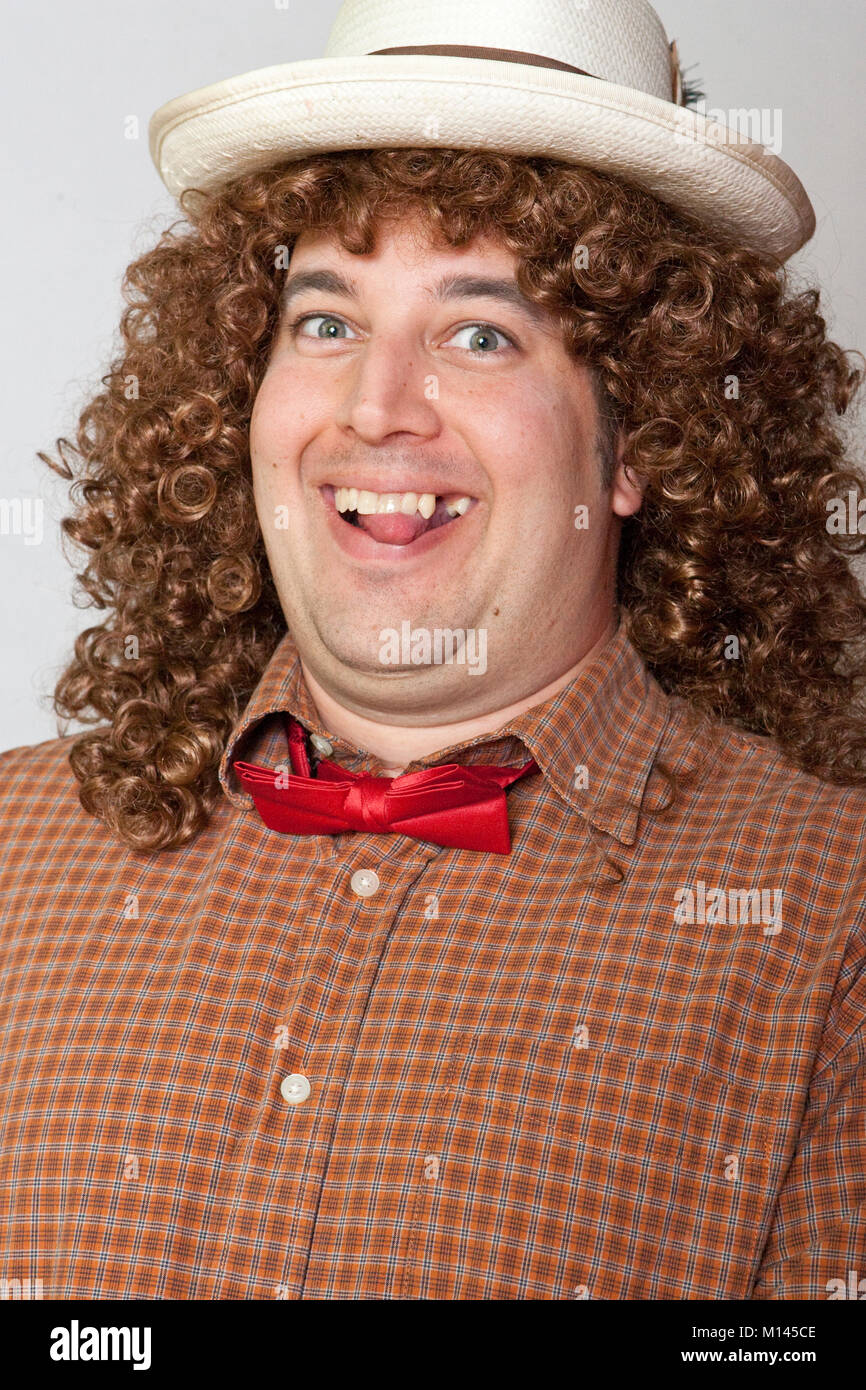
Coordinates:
<point>396,745</point>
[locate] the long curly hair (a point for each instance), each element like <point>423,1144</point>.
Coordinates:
<point>720,375</point>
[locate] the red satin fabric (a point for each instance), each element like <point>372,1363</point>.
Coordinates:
<point>452,805</point>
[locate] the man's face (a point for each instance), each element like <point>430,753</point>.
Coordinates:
<point>408,382</point>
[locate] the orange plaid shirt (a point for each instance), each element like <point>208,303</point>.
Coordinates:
<point>598,1067</point>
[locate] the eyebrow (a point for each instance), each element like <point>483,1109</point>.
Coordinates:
<point>449,287</point>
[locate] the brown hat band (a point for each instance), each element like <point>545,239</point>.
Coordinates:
<point>515,55</point>
<point>499,55</point>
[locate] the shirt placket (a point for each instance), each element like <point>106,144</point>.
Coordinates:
<point>363,880</point>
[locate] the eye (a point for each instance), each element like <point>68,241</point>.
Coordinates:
<point>331,321</point>
<point>483,338</point>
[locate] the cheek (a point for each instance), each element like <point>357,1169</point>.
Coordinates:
<point>281,413</point>
<point>500,432</point>
<point>270,416</point>
<point>274,448</point>
<point>526,443</point>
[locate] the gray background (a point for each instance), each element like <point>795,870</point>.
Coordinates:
<point>82,200</point>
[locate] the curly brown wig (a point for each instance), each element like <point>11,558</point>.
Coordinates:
<point>718,373</point>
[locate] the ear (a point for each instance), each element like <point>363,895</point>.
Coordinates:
<point>626,491</point>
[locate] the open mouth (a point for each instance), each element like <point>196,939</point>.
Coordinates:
<point>396,518</point>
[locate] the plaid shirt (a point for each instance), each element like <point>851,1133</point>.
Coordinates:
<point>595,1068</point>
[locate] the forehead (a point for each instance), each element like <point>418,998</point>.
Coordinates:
<point>409,240</point>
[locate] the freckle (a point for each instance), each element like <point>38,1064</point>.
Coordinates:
<point>496,612</point>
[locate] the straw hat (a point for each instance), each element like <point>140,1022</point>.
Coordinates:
<point>592,82</point>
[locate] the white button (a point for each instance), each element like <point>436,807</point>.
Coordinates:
<point>365,882</point>
<point>321,745</point>
<point>294,1088</point>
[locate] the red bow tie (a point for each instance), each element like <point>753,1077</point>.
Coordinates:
<point>460,807</point>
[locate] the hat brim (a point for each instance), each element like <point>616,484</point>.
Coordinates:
<point>737,186</point>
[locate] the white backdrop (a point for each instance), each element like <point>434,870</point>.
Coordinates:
<point>82,199</point>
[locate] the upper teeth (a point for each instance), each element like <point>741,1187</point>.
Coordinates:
<point>351,499</point>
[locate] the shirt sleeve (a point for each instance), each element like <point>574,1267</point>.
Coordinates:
<point>816,1247</point>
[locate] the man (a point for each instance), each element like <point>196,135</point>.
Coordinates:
<point>461,894</point>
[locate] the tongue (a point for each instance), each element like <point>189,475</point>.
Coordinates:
<point>393,528</point>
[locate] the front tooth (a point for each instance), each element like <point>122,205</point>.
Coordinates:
<point>427,504</point>
<point>352,498</point>
<point>462,505</point>
<point>409,504</point>
<point>388,502</point>
<point>340,499</point>
<point>367,503</point>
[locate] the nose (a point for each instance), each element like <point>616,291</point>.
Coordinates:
<point>386,391</point>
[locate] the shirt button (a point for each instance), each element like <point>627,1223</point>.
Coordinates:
<point>365,882</point>
<point>321,745</point>
<point>294,1088</point>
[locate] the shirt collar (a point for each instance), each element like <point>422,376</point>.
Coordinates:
<point>596,741</point>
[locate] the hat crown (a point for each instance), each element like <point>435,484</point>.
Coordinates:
<point>621,41</point>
